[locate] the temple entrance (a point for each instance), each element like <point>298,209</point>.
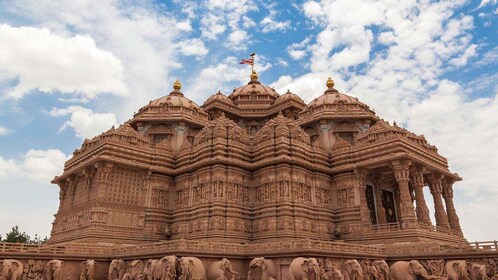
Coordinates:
<point>371,204</point>
<point>388,204</point>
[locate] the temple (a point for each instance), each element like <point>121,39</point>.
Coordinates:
<point>256,166</point>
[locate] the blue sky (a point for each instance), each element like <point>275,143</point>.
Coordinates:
<point>71,69</point>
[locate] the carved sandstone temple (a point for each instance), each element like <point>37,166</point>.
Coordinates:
<point>256,166</point>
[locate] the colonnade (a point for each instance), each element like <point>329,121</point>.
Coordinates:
<point>413,178</point>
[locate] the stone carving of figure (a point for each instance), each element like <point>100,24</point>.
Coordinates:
<point>218,270</point>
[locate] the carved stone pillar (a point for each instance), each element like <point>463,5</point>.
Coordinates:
<point>361,182</point>
<point>418,185</point>
<point>436,187</point>
<point>453,219</point>
<point>407,212</point>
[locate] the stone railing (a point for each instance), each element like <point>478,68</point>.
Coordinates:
<point>432,228</point>
<point>249,249</point>
<point>272,248</point>
<point>382,228</point>
<point>484,245</point>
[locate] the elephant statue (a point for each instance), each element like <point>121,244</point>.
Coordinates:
<point>268,268</point>
<point>87,269</point>
<point>117,270</point>
<point>457,270</point>
<point>305,268</point>
<point>12,270</point>
<point>53,270</point>
<point>478,271</point>
<point>149,269</point>
<point>217,270</point>
<point>165,268</point>
<point>135,268</point>
<point>373,273</point>
<point>383,269</point>
<point>412,270</point>
<point>352,270</point>
<point>190,268</point>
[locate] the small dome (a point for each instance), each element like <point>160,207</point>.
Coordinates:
<point>218,96</point>
<point>289,96</point>
<point>173,106</point>
<point>175,98</point>
<point>333,104</point>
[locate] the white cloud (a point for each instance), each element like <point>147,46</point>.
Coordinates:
<point>487,2</point>
<point>298,51</point>
<point>26,179</point>
<point>135,33</point>
<point>84,121</point>
<point>464,58</point>
<point>39,166</point>
<point>269,24</point>
<point>4,131</point>
<point>42,60</point>
<point>238,40</point>
<point>192,47</point>
<point>282,62</point>
<point>7,167</point>
<point>403,83</point>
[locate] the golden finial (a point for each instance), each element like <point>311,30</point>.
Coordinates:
<point>177,85</point>
<point>330,83</point>
<point>254,75</point>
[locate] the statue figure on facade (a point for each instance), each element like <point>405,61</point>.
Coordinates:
<point>457,270</point>
<point>87,269</point>
<point>267,266</point>
<point>33,270</point>
<point>190,268</point>
<point>412,270</point>
<point>117,269</point>
<point>218,270</point>
<point>352,270</point>
<point>53,270</point>
<point>305,268</point>
<point>135,269</point>
<point>165,268</point>
<point>149,269</point>
<point>383,269</point>
<point>478,271</point>
<point>331,271</point>
<point>11,269</point>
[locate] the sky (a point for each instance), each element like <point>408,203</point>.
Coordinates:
<point>69,70</point>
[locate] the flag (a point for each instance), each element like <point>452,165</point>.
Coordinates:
<point>249,61</point>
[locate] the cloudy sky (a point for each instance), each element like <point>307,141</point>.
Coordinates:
<point>71,69</point>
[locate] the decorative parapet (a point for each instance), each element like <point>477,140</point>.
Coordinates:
<point>268,248</point>
<point>382,131</point>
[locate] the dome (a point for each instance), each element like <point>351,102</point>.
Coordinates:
<point>333,96</point>
<point>254,87</point>
<point>289,96</point>
<point>173,107</point>
<point>175,98</point>
<point>218,97</point>
<point>335,105</point>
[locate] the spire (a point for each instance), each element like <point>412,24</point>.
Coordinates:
<point>330,86</point>
<point>177,85</point>
<point>176,89</point>
<point>254,75</point>
<point>330,83</point>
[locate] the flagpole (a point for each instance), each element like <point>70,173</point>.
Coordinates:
<point>253,61</point>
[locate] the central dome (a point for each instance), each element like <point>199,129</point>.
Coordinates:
<point>254,93</point>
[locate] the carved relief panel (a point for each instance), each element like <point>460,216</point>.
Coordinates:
<point>126,186</point>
